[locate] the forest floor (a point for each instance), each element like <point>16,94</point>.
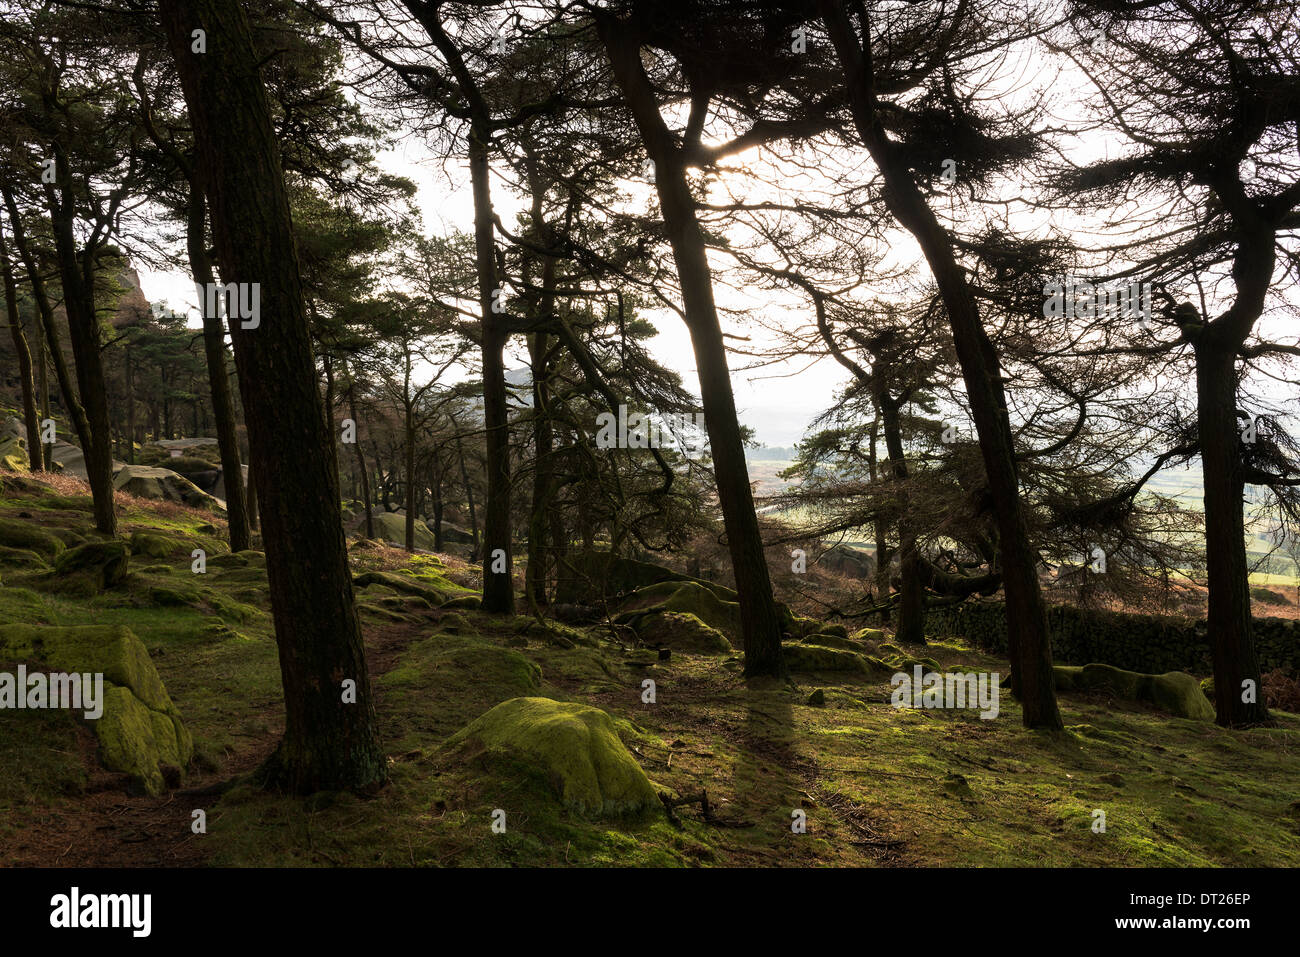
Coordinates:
<point>877,785</point>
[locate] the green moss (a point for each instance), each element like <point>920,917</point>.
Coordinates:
<point>139,741</point>
<point>16,533</point>
<point>576,745</point>
<point>97,565</point>
<point>687,597</point>
<point>436,589</point>
<point>140,728</point>
<point>113,650</point>
<point>809,657</point>
<point>156,546</point>
<point>1176,692</point>
<point>681,632</point>
<point>21,557</point>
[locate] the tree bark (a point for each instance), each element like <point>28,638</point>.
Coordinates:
<point>361,458</point>
<point>760,623</point>
<point>911,606</point>
<point>1228,619</point>
<point>1029,649</point>
<point>498,587</point>
<point>214,349</point>
<point>24,355</point>
<point>78,279</point>
<point>330,741</point>
<point>71,401</point>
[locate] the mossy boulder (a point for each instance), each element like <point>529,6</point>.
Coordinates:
<point>577,747</point>
<point>436,589</point>
<point>1176,692</point>
<point>94,566</point>
<point>13,453</point>
<point>833,641</point>
<point>162,484</point>
<point>16,533</point>
<point>685,597</point>
<point>21,558</point>
<point>810,657</point>
<point>154,545</point>
<point>391,527</point>
<point>174,597</point>
<point>681,631</point>
<point>140,731</point>
<point>868,634</point>
<point>901,661</point>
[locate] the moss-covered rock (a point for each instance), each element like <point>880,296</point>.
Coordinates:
<point>154,545</point>
<point>94,566</point>
<point>834,641</point>
<point>1175,691</point>
<point>16,533</point>
<point>140,731</point>
<point>435,589</point>
<point>1179,693</point>
<point>577,747</point>
<point>686,597</point>
<point>681,631</point>
<point>835,630</point>
<point>13,453</point>
<point>868,634</point>
<point>21,558</point>
<point>391,527</point>
<point>809,657</point>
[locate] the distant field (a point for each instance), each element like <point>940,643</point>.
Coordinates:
<point>1278,569</point>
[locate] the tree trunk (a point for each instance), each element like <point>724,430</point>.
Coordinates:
<point>469,501</point>
<point>911,606</point>
<point>330,741</point>
<point>535,575</point>
<point>1228,619</point>
<point>24,356</point>
<point>214,348</point>
<point>83,329</point>
<point>71,401</point>
<point>1029,649</point>
<point>760,623</point>
<point>361,460</point>
<point>498,588</point>
<point>409,433</point>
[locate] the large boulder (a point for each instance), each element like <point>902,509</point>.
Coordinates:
<point>433,588</point>
<point>686,597</point>
<point>16,533</point>
<point>681,631</point>
<point>13,453</point>
<point>576,746</point>
<point>391,527</point>
<point>594,575</point>
<point>144,481</point>
<point>140,731</point>
<point>1175,691</point>
<point>154,545</point>
<point>848,561</point>
<point>93,567</point>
